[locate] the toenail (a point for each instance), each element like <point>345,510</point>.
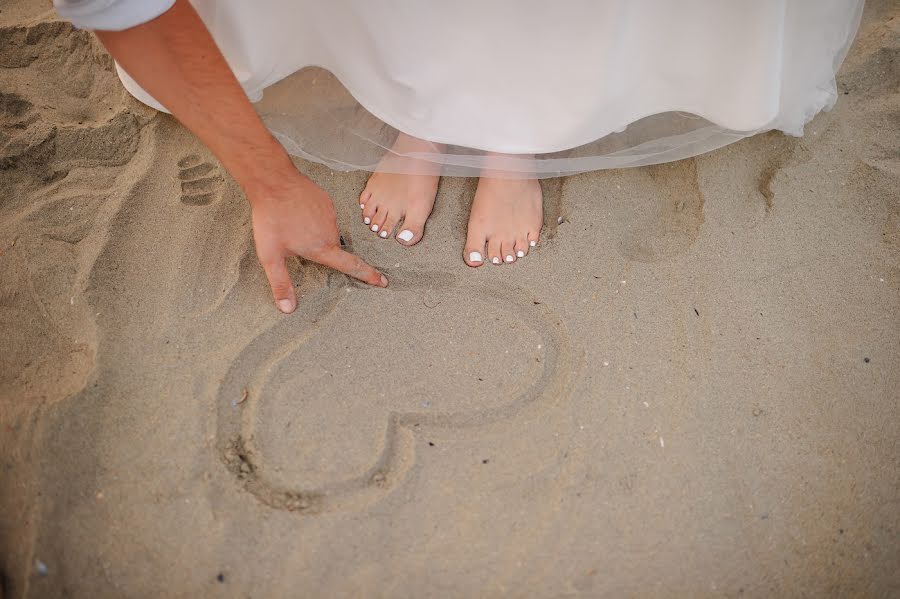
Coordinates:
<point>405,235</point>
<point>362,206</point>
<point>532,243</point>
<point>475,257</point>
<point>510,259</point>
<point>495,260</point>
<point>367,220</point>
<point>383,233</point>
<point>375,228</point>
<point>520,254</point>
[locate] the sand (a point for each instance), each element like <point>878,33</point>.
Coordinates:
<point>690,389</point>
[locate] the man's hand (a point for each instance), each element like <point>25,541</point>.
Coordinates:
<point>174,58</point>
<point>296,218</point>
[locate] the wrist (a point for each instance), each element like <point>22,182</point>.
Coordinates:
<point>262,170</point>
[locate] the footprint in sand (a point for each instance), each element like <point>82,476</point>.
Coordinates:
<point>201,182</point>
<point>318,412</point>
<point>59,160</point>
<point>668,222</point>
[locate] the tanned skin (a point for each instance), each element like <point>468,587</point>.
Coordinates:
<point>175,59</point>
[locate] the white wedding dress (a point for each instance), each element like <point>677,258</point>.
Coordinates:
<point>564,86</point>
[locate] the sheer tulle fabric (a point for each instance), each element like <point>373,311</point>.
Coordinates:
<point>556,88</point>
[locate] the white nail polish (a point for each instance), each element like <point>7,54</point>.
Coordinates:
<point>405,235</point>
<point>383,234</point>
<point>532,243</point>
<point>362,206</point>
<point>495,260</point>
<point>510,258</point>
<point>475,257</point>
<point>367,220</point>
<point>520,254</point>
<point>375,228</point>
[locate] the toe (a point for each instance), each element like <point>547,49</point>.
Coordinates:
<point>364,198</point>
<point>533,239</point>
<point>494,252</point>
<point>369,210</point>
<point>507,252</point>
<point>390,224</point>
<point>378,219</point>
<point>474,258</point>
<point>412,229</point>
<point>521,247</point>
<point>473,254</point>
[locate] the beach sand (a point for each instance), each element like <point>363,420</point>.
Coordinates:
<point>691,387</point>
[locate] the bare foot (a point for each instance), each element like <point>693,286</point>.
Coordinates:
<point>507,216</point>
<point>390,199</point>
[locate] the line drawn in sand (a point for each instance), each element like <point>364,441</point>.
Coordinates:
<point>248,386</point>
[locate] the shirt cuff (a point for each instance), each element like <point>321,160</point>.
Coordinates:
<point>110,15</point>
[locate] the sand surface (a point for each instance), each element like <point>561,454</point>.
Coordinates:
<point>691,389</point>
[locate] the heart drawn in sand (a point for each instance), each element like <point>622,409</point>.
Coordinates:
<point>319,411</point>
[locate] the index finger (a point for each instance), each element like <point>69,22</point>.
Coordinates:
<point>351,264</point>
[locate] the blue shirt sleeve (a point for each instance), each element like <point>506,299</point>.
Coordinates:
<point>110,15</point>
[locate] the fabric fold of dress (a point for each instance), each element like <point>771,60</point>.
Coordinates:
<point>560,87</point>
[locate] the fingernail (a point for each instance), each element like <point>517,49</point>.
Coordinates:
<point>475,257</point>
<point>405,235</point>
<point>495,260</point>
<point>383,234</point>
<point>383,281</point>
<point>532,243</point>
<point>520,254</point>
<point>509,258</point>
<point>367,220</point>
<point>375,228</point>
<point>285,306</point>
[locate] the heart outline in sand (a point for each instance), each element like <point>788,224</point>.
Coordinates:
<point>239,453</point>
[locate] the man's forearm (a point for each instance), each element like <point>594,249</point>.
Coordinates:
<point>175,60</point>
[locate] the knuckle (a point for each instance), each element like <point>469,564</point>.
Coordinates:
<point>281,288</point>
<point>316,252</point>
<point>270,261</point>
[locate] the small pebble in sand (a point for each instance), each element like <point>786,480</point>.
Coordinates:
<point>220,577</point>
<point>646,405</point>
<point>661,442</point>
<point>605,363</point>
